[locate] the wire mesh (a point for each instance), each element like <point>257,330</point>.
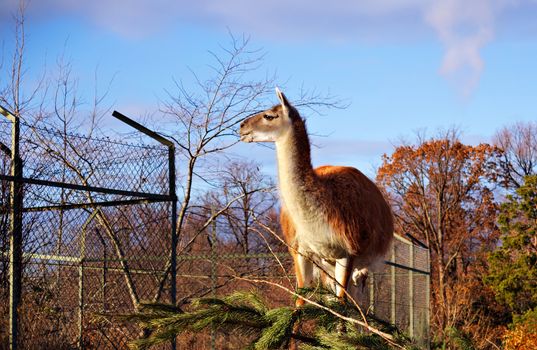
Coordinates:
<point>100,246</point>
<point>55,155</point>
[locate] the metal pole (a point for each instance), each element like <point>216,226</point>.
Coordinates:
<point>411,292</point>
<point>174,238</point>
<point>392,297</point>
<point>87,188</point>
<point>15,241</point>
<point>104,276</point>
<point>81,261</point>
<point>372,293</point>
<point>81,292</point>
<point>213,275</point>
<point>427,299</point>
<point>173,248</point>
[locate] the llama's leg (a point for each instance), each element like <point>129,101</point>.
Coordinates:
<point>304,279</point>
<point>342,275</point>
<point>327,275</point>
<point>304,274</point>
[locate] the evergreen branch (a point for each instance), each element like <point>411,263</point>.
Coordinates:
<point>272,328</point>
<point>388,337</point>
<point>278,333</point>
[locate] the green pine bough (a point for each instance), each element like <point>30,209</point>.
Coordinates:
<point>270,328</point>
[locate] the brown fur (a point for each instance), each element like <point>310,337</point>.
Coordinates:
<point>348,200</point>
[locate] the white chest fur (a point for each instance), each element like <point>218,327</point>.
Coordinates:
<point>313,232</point>
<point>317,237</point>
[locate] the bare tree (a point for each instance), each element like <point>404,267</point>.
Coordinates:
<point>258,198</point>
<point>14,94</point>
<point>519,157</point>
<point>205,119</point>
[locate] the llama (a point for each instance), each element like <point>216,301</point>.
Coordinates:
<point>334,219</point>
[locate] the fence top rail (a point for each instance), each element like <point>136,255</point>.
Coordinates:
<point>143,129</point>
<point>412,241</point>
<point>416,241</point>
<point>404,267</point>
<point>7,114</point>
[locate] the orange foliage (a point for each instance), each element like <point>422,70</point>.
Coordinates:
<point>522,337</point>
<point>441,192</point>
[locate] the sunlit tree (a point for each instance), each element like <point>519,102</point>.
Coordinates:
<point>441,191</point>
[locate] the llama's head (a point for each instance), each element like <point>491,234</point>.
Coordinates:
<point>269,125</point>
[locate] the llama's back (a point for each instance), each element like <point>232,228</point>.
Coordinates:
<point>357,210</point>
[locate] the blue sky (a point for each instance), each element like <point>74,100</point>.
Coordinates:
<point>403,65</point>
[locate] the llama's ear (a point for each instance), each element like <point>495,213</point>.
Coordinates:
<point>282,98</point>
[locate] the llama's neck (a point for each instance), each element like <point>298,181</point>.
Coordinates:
<point>296,176</point>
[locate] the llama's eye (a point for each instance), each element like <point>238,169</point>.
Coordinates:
<point>269,117</point>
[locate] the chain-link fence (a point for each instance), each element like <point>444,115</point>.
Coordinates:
<point>96,229</point>
<point>87,226</point>
<point>399,293</point>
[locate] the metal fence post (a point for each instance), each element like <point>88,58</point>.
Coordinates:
<point>392,285</point>
<point>104,276</point>
<point>173,238</point>
<point>213,275</point>
<point>81,290</point>
<point>15,240</point>
<point>173,248</point>
<point>372,293</point>
<point>427,300</point>
<point>411,292</point>
<point>81,261</point>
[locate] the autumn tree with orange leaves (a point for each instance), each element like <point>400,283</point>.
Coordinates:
<point>441,191</point>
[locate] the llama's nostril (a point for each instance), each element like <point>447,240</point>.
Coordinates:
<point>243,123</point>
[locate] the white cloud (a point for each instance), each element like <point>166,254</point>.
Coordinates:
<point>281,19</point>
<point>463,27</point>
